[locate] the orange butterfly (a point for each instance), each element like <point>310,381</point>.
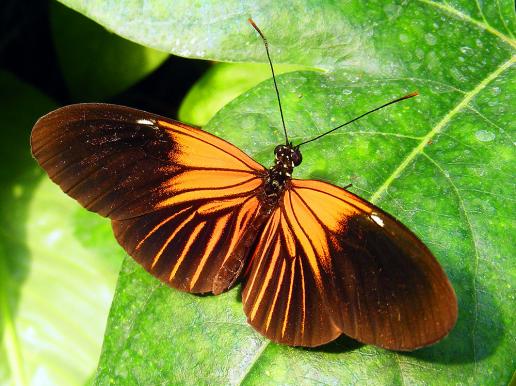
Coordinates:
<point>199,214</point>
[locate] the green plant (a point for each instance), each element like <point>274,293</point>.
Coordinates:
<point>442,163</point>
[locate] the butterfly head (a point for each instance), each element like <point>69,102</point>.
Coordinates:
<point>288,155</point>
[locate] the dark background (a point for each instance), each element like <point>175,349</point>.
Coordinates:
<point>27,51</point>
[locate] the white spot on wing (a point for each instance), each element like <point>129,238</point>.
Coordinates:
<point>377,219</point>
<point>145,122</point>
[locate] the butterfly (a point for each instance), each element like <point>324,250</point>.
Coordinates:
<point>316,260</point>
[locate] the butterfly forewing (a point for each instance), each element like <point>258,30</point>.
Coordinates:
<point>183,202</point>
<point>331,263</point>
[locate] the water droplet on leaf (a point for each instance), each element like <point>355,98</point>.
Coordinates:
<point>430,39</point>
<point>485,136</point>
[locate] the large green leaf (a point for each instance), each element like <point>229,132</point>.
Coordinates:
<point>55,284</point>
<point>220,85</point>
<point>442,163</point>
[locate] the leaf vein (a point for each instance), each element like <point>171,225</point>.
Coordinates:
<point>257,356</point>
<point>503,19</point>
<point>460,15</point>
<point>477,255</point>
<point>439,127</point>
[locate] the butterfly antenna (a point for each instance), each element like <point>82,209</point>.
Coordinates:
<point>413,94</point>
<point>273,75</point>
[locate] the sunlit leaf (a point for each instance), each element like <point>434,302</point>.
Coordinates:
<point>55,285</point>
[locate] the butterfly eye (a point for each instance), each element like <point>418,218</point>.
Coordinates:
<point>277,149</point>
<point>297,157</point>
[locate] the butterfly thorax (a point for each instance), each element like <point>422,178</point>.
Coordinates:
<point>286,158</point>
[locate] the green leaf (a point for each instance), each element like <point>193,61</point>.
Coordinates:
<point>96,63</point>
<point>441,163</point>
<point>220,85</point>
<point>55,288</point>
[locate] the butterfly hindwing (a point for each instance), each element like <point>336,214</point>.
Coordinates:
<point>329,263</point>
<point>188,245</point>
<point>182,201</point>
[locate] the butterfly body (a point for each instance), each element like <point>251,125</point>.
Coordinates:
<point>286,157</point>
<point>275,181</point>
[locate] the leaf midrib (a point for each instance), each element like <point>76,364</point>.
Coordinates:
<point>474,239</point>
<point>439,127</point>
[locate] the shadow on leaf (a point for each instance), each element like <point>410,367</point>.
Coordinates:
<point>340,345</point>
<point>479,329</point>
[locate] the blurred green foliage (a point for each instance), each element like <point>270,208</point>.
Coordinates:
<point>442,163</point>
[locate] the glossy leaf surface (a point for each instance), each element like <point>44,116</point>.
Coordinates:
<point>56,279</point>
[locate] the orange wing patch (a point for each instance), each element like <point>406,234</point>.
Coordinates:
<point>309,232</point>
<point>187,245</point>
<point>213,187</point>
<point>263,247</point>
<point>333,204</point>
<point>236,184</point>
<point>200,149</point>
<point>288,279</point>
